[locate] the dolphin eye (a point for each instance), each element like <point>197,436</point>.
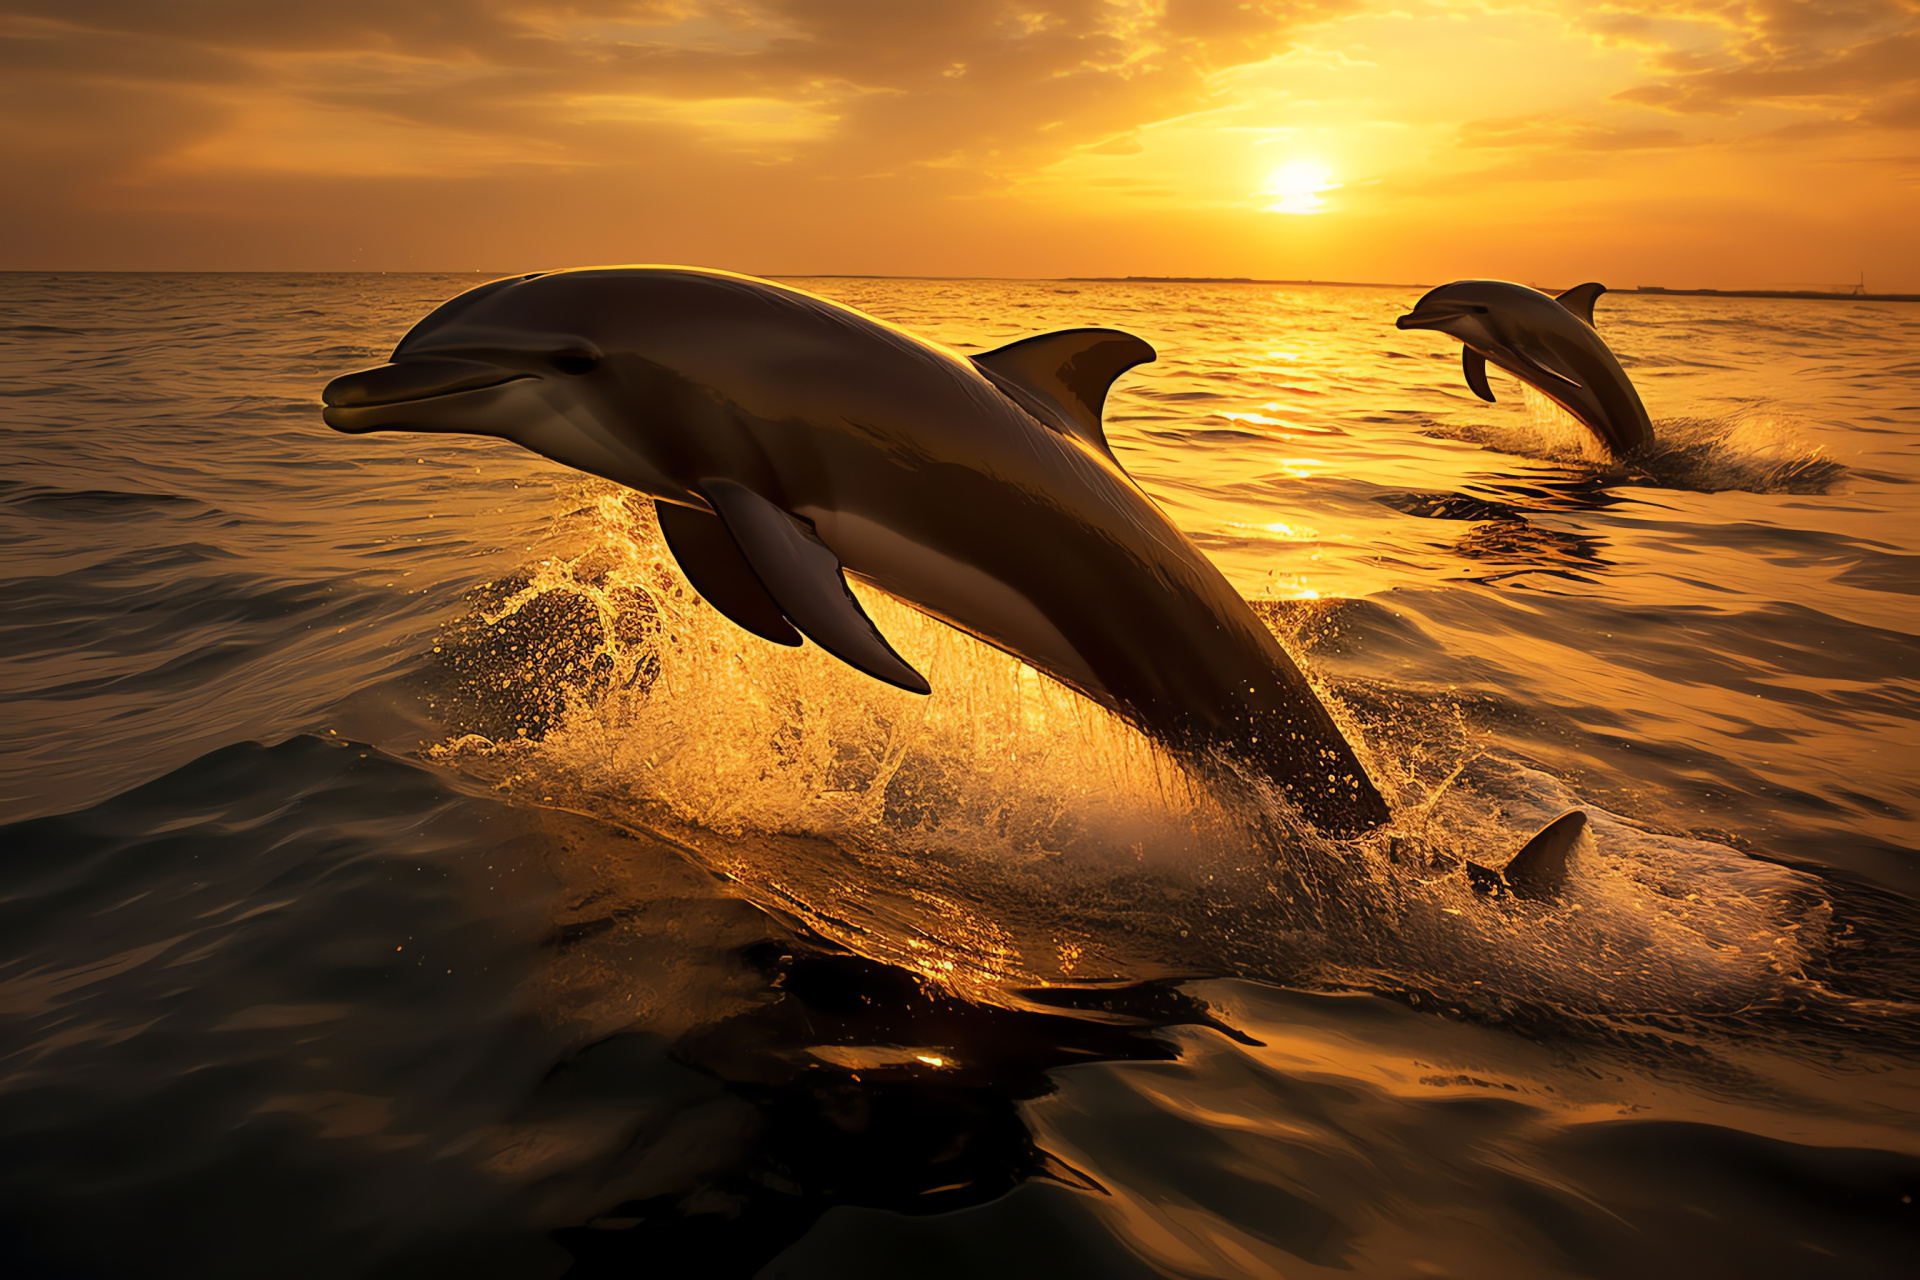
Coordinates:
<point>574,362</point>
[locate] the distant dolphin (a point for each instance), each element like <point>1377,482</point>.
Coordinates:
<point>786,439</point>
<point>1545,341</point>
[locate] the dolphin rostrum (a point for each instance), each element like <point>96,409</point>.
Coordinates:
<point>1546,341</point>
<point>788,440</point>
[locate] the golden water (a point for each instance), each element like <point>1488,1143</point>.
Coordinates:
<point>554,903</point>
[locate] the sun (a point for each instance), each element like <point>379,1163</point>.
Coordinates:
<point>1299,184</point>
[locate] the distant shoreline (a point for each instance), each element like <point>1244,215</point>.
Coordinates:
<point>1337,284</point>
<point>1650,290</point>
<point>1657,291</point>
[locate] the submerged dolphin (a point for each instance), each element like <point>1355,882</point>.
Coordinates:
<point>1545,341</point>
<point>787,439</point>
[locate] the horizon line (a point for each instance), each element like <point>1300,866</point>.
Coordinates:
<point>1641,290</point>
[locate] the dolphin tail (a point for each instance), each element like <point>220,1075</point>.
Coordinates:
<point>1539,871</point>
<point>1289,736</point>
<point>1336,793</point>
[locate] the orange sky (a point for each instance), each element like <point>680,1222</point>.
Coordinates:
<point>1675,142</point>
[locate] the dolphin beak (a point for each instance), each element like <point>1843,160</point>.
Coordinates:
<point>1435,315</point>
<point>349,397</point>
<point>412,380</point>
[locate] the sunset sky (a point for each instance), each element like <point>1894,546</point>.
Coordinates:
<point>1674,142</point>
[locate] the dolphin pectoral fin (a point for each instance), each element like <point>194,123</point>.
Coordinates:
<point>803,576</point>
<point>712,561</point>
<point>1474,365</point>
<point>1548,364</point>
<point>1580,300</point>
<point>1069,373</point>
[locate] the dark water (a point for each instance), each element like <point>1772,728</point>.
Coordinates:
<point>403,874</point>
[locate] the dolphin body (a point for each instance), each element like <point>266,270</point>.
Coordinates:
<point>1544,340</point>
<point>788,440</point>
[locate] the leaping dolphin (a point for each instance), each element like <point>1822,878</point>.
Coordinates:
<point>787,440</point>
<point>1546,341</point>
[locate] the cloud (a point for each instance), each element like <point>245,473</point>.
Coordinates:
<point>1840,60</point>
<point>620,115</point>
<point>873,134</point>
<point>1547,131</point>
<point>865,85</point>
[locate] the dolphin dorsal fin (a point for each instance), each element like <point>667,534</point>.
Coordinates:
<point>804,578</point>
<point>1068,373</point>
<point>1580,300</point>
<point>1539,870</point>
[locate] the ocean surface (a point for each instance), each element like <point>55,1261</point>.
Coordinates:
<point>402,873</point>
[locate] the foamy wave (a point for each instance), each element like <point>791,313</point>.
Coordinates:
<point>1758,454</point>
<point>1753,453</point>
<point>1006,833</point>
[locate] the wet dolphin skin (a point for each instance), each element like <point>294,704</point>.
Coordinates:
<point>1544,340</point>
<point>788,440</point>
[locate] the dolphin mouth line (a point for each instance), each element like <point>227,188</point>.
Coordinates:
<point>356,409</point>
<point>389,402</point>
<point>1426,319</point>
<point>412,382</point>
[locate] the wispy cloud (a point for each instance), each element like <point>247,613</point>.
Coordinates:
<point>1845,60</point>
<point>1547,131</point>
<point>868,84</point>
